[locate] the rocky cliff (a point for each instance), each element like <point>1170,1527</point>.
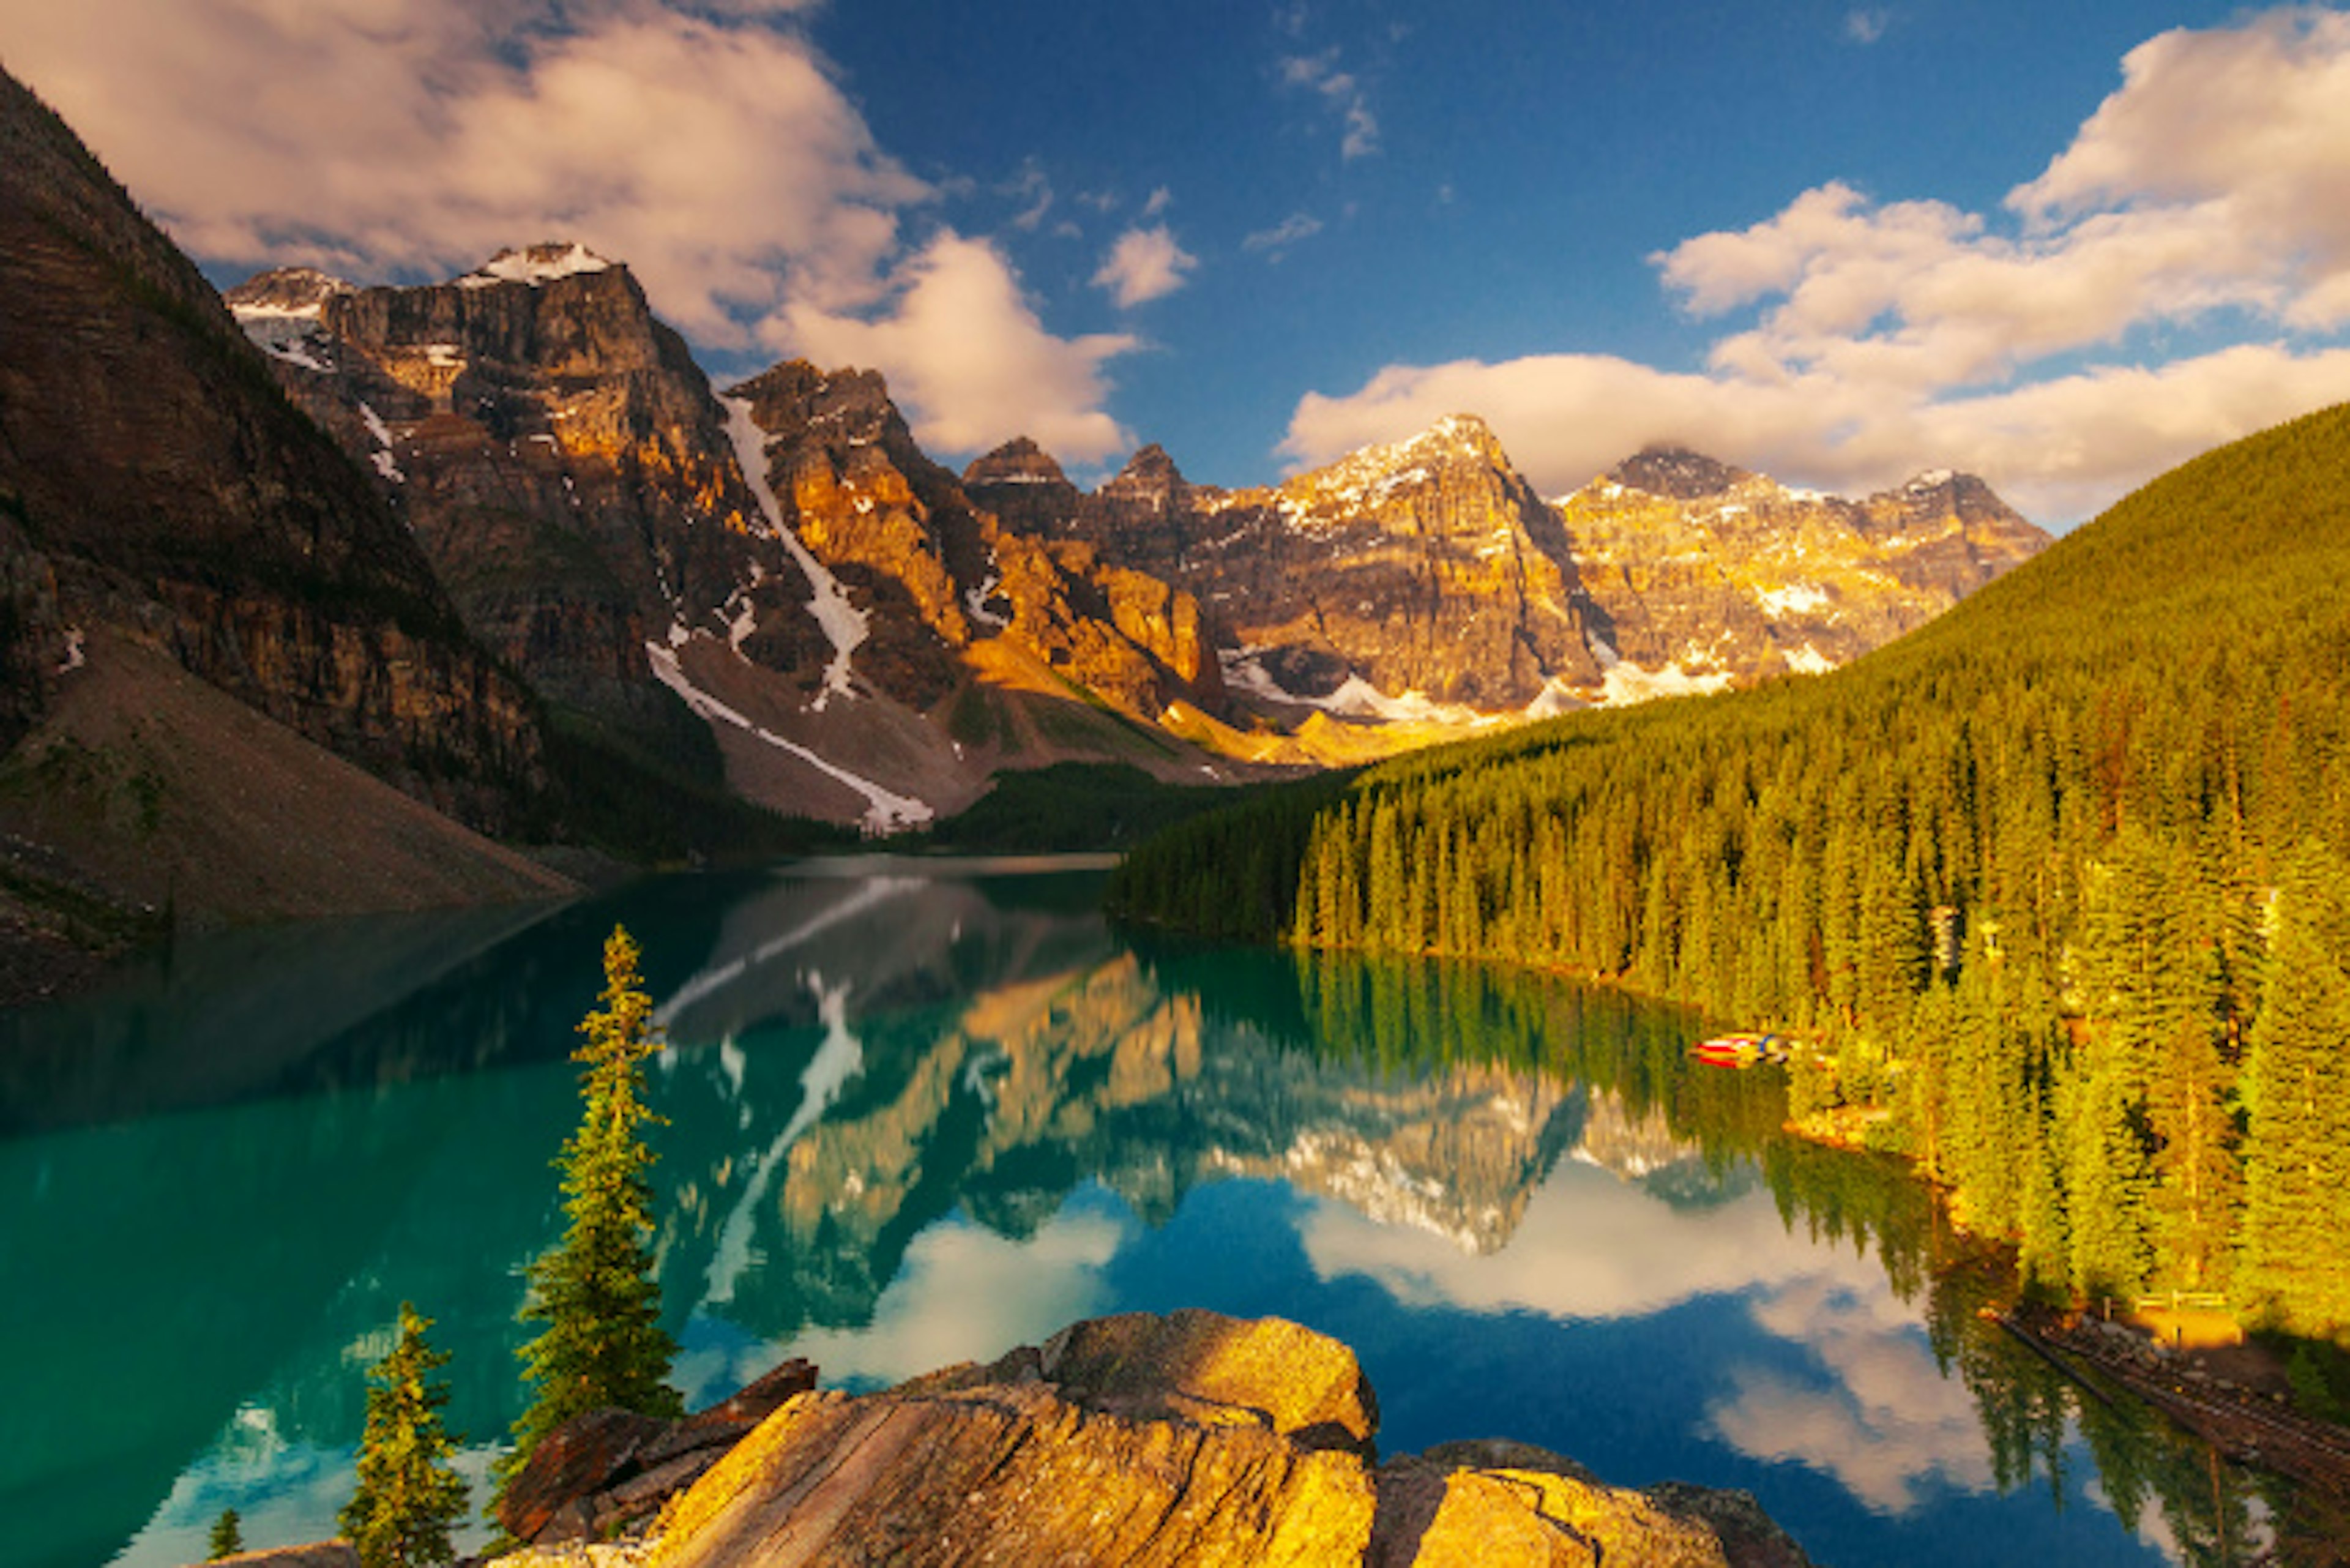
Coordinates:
<point>153,481</point>
<point>559,457</point>
<point>161,505</point>
<point>1424,582</point>
<point>864,643</point>
<point>924,558</point>
<point>1709,575</point>
<point>1185,1439</point>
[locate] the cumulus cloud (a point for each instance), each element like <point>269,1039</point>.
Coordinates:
<point>415,139</point>
<point>966,351</point>
<point>1145,264</point>
<point>1885,1422</point>
<point>1863,340</point>
<point>705,142</point>
<point>2249,124</point>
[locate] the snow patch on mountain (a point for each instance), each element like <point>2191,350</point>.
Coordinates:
<point>1795,598</point>
<point>384,462</point>
<point>1626,683</point>
<point>290,333</point>
<point>536,266</point>
<point>884,810</point>
<point>845,625</point>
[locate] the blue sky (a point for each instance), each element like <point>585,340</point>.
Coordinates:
<point>2066,246</point>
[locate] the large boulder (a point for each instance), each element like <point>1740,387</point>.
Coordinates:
<point>1188,1439</point>
<point>606,1469</point>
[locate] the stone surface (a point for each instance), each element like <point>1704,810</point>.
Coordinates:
<point>1500,1502</point>
<point>1189,1439</point>
<point>1164,1446</point>
<point>315,1554</point>
<point>607,1468</point>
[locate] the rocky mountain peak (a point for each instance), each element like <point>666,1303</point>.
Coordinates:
<point>1938,491</point>
<point>1017,461</point>
<point>536,264</point>
<point>1463,433</point>
<point>1676,471</point>
<point>285,291</point>
<point>1148,472</point>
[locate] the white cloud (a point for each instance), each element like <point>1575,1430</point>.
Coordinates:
<point>2250,124</point>
<point>1319,73</point>
<point>1282,235</point>
<point>708,146</point>
<point>1160,199</point>
<point>2210,190</point>
<point>968,357</point>
<point>1886,1423</point>
<point>385,139</point>
<point>1035,192</point>
<point>1865,26</point>
<point>2057,449</point>
<point>1145,264</point>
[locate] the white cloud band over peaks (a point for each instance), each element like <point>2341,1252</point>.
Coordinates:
<point>705,142</point>
<point>2208,195</point>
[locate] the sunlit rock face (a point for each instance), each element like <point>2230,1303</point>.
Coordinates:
<point>1424,581</point>
<point>1706,573</point>
<point>559,456</point>
<point>930,554</point>
<point>1190,1438</point>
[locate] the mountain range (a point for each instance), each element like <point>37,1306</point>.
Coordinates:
<point>501,543</point>
<point>874,636</point>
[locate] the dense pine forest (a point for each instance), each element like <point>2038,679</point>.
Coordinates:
<point>2058,886</point>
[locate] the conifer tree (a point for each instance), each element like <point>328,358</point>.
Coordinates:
<point>2297,1163</point>
<point>408,1496</point>
<point>227,1539</point>
<point>603,1343</point>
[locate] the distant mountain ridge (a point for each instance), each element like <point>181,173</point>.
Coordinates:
<point>776,591</point>
<point>602,516</point>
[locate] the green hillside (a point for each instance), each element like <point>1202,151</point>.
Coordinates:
<point>2061,881</point>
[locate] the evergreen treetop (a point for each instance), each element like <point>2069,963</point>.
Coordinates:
<point>602,1343</point>
<point>408,1496</point>
<point>227,1538</point>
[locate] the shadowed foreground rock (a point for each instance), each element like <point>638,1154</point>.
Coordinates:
<point>1189,1439</point>
<point>606,1469</point>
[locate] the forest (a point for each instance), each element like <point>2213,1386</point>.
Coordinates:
<point>2055,892</point>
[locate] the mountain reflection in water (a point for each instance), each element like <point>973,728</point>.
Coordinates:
<point>918,1113</point>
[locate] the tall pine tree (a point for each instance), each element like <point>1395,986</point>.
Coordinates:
<point>2297,1146</point>
<point>603,1343</point>
<point>408,1496</point>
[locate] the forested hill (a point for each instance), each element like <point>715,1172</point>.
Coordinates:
<point>2061,881</point>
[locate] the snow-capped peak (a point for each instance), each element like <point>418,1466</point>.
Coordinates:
<point>286,291</point>
<point>538,265</point>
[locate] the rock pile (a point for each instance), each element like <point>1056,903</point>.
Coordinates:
<point>1190,1438</point>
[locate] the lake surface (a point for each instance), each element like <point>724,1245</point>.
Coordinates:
<point>919,1114</point>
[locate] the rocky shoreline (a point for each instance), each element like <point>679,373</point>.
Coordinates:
<point>1141,1439</point>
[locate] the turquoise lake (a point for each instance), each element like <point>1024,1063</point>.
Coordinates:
<point>922,1112</point>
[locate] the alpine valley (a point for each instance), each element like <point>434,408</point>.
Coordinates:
<point>501,543</point>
